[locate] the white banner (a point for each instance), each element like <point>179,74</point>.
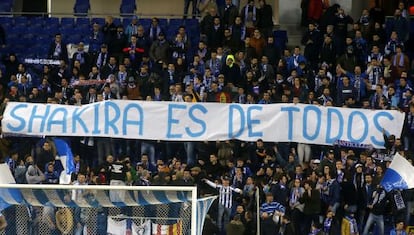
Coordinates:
<point>204,121</point>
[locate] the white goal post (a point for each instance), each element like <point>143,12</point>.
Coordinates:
<point>138,199</point>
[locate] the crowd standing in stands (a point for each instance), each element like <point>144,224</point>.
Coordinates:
<point>303,188</point>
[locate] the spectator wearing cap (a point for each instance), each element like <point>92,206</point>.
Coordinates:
<point>225,200</point>
<point>159,51</point>
<point>328,160</point>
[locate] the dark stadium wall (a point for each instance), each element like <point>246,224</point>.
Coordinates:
<point>31,6</point>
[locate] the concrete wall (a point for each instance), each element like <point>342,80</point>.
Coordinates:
<point>105,7</point>
<point>163,8</point>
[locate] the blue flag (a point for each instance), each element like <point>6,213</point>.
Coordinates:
<point>63,151</point>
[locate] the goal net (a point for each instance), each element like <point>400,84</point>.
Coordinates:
<point>102,210</point>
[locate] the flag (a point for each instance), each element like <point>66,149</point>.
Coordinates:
<point>398,175</point>
<point>66,158</point>
<point>126,227</point>
<point>143,229</point>
<point>203,206</point>
<point>8,196</point>
<point>170,229</point>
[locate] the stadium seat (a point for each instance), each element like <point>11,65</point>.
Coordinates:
<point>81,7</point>
<point>163,23</point>
<point>191,22</point>
<point>127,7</point>
<point>176,22</point>
<point>52,22</point>
<point>83,21</point>
<point>37,20</point>
<point>281,38</point>
<point>74,38</point>
<point>100,21</point>
<point>6,6</point>
<point>6,20</point>
<point>145,22</point>
<point>126,21</point>
<point>51,30</point>
<point>66,21</point>
<point>117,21</point>
<point>20,20</point>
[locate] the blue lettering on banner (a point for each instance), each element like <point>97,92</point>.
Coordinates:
<point>251,122</point>
<point>318,113</point>
<point>377,125</point>
<point>350,125</point>
<point>331,139</point>
<point>232,108</point>
<point>290,111</point>
<point>126,121</point>
<point>76,118</point>
<point>50,121</point>
<point>43,118</point>
<point>96,122</point>
<point>22,121</point>
<point>196,120</point>
<point>172,121</point>
<point>111,122</point>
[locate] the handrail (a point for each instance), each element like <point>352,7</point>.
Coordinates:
<point>92,14</point>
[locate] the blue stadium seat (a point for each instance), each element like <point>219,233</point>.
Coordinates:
<point>175,23</point>
<point>6,6</point>
<point>127,7</point>
<point>191,22</point>
<point>21,20</point>
<point>37,20</point>
<point>83,29</point>
<point>52,22</point>
<point>117,21</point>
<point>74,38</point>
<point>34,28</point>
<point>83,21</point>
<point>20,29</point>
<point>81,7</point>
<point>51,30</point>
<point>100,21</point>
<point>126,21</point>
<point>66,21</point>
<point>163,23</point>
<point>281,38</point>
<point>68,31</point>
<point>145,22</point>
<point>6,20</point>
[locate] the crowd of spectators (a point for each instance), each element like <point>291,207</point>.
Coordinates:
<point>303,188</point>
